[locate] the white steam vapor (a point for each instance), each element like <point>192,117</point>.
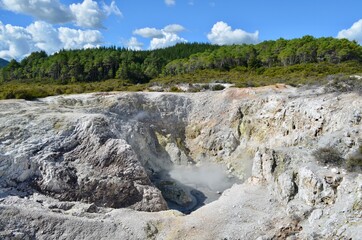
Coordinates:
<point>212,176</point>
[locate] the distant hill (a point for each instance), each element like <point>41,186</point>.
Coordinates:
<point>3,62</point>
<point>275,59</point>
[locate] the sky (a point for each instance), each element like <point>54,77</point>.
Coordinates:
<point>50,25</point>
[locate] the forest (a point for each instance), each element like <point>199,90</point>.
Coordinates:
<point>294,61</point>
<point>97,64</point>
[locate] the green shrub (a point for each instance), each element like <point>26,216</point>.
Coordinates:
<point>218,87</point>
<point>328,155</point>
<point>136,88</point>
<point>7,94</point>
<point>175,89</point>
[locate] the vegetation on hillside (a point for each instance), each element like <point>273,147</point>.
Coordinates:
<point>91,65</point>
<point>296,61</point>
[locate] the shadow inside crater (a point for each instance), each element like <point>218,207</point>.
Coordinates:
<point>187,188</point>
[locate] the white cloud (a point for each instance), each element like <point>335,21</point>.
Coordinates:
<point>353,33</point>
<point>89,14</point>
<point>161,38</point>
<point>170,2</point>
<point>44,36</point>
<point>222,34</point>
<point>48,10</point>
<point>134,44</point>
<point>73,38</point>
<point>148,32</point>
<point>18,42</point>
<point>86,14</point>
<point>173,28</point>
<point>168,40</point>
<point>112,9</point>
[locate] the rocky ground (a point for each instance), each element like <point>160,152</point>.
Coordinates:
<point>84,166</point>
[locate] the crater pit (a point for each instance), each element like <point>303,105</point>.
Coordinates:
<point>189,187</point>
<point>149,152</point>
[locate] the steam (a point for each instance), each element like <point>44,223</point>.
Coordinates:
<point>211,176</point>
<point>141,116</point>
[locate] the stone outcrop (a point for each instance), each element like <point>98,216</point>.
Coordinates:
<point>86,162</point>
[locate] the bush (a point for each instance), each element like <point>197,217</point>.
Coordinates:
<point>355,160</point>
<point>175,89</point>
<point>218,87</point>
<point>343,83</point>
<point>328,155</point>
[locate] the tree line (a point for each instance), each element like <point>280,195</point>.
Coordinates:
<point>270,54</point>
<point>97,64</point>
<point>92,65</point>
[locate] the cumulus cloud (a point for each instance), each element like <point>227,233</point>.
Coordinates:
<point>89,14</point>
<point>174,28</point>
<point>75,38</point>
<point>353,33</point>
<point>161,38</point>
<point>18,42</point>
<point>86,14</point>
<point>15,42</point>
<point>170,2</point>
<point>134,44</point>
<point>149,32</point>
<point>48,10</point>
<point>169,39</point>
<point>44,37</point>
<point>222,34</point>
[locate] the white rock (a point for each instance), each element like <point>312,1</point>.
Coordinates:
<point>103,148</point>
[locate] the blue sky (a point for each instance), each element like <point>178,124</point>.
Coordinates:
<point>50,25</point>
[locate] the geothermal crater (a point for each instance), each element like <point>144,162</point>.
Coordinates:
<point>187,188</point>
<point>78,166</point>
<point>117,151</point>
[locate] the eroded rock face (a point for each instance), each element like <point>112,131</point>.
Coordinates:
<point>84,156</point>
<point>75,159</point>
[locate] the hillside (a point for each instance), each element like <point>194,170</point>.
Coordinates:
<point>297,61</point>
